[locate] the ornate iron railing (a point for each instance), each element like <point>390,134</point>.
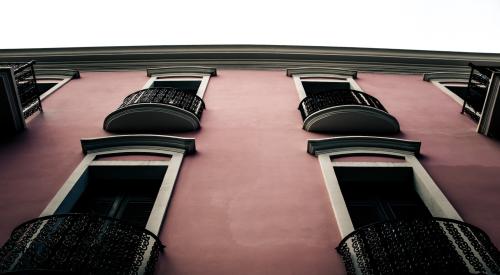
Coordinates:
<point>477,89</point>
<point>421,246</point>
<point>25,79</point>
<point>80,243</point>
<point>323,100</point>
<point>169,96</point>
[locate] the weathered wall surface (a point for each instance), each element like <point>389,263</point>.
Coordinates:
<point>251,201</point>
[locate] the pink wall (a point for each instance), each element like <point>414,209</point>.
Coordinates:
<point>251,201</point>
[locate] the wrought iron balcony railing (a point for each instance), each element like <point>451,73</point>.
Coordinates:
<point>169,96</point>
<point>25,79</point>
<point>477,89</point>
<point>320,101</point>
<point>79,243</point>
<point>421,246</point>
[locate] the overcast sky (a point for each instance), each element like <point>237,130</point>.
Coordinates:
<point>449,25</point>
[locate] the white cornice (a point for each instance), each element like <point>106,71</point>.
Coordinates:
<point>248,56</point>
<point>316,146</point>
<point>182,69</point>
<point>321,70</point>
<point>99,143</point>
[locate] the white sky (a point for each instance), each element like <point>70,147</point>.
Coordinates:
<point>450,25</point>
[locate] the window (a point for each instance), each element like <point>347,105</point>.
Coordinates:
<point>110,182</point>
<point>192,80</point>
<point>50,80</point>
<point>452,84</point>
<point>373,179</point>
<point>106,217</point>
<point>331,101</point>
<point>376,194</point>
<point>478,98</point>
<point>392,217</point>
<point>171,101</point>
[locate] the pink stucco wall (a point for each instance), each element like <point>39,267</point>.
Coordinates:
<point>251,201</point>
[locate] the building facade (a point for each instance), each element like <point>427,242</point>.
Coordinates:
<point>250,160</point>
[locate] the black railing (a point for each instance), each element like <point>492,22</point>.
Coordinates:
<point>80,243</point>
<point>323,100</point>
<point>25,79</point>
<point>421,246</point>
<point>169,96</point>
<point>477,89</point>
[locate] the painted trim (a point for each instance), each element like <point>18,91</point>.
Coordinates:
<point>182,69</point>
<point>109,142</point>
<point>426,188</point>
<point>321,70</point>
<point>248,56</point>
<point>321,146</point>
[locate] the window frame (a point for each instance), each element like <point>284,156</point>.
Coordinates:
<point>326,149</point>
<point>316,74</point>
<point>175,147</point>
<point>182,73</point>
<point>58,76</point>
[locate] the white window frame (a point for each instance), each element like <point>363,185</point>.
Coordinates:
<point>166,74</point>
<point>314,74</point>
<point>441,80</point>
<point>173,147</point>
<point>59,76</point>
<point>331,148</point>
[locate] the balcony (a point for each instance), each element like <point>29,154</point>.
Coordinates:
<point>157,110</point>
<point>422,246</point>
<point>27,89</point>
<point>79,243</point>
<point>348,111</point>
<point>477,89</point>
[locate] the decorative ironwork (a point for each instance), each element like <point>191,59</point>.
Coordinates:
<point>477,89</point>
<point>169,96</point>
<point>323,100</point>
<point>420,246</point>
<point>80,243</point>
<point>25,78</point>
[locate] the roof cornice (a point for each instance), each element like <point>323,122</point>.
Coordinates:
<point>248,56</point>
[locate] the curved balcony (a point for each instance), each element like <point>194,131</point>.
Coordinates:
<point>157,110</point>
<point>346,111</point>
<point>421,246</point>
<point>79,243</point>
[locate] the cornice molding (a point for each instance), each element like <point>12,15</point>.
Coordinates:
<point>446,76</point>
<point>182,69</point>
<point>321,70</point>
<point>248,57</point>
<point>100,143</point>
<point>317,146</point>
